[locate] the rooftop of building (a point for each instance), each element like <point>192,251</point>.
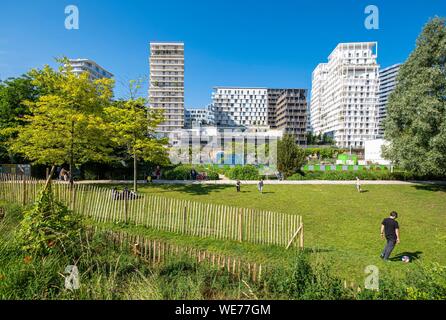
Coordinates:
<point>84,60</point>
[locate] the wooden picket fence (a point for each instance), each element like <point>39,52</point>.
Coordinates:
<point>174,215</point>
<point>156,252</point>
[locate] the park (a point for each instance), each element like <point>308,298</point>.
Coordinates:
<point>88,183</point>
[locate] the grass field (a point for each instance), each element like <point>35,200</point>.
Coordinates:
<point>341,225</point>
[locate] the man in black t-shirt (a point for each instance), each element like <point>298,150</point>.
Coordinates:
<point>390,230</point>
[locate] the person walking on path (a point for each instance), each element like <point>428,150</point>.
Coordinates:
<point>390,231</point>
<point>358,184</point>
<point>260,186</point>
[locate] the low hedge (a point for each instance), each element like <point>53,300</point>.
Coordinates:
<point>363,175</point>
<point>182,172</point>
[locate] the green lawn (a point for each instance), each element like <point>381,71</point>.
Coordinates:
<point>341,224</point>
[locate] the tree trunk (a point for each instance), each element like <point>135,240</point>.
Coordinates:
<point>135,173</point>
<point>72,155</point>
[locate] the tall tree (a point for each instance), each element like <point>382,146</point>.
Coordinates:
<point>66,123</point>
<point>13,93</point>
<point>416,116</point>
<point>132,127</point>
<point>290,156</point>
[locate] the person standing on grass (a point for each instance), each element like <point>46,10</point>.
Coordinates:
<point>358,185</point>
<point>238,185</point>
<point>390,230</point>
<point>260,186</point>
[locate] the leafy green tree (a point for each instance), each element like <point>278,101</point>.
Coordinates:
<point>66,124</point>
<point>290,156</point>
<point>132,127</point>
<point>13,94</point>
<point>416,116</point>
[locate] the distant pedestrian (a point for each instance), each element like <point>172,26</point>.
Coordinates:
<point>390,230</point>
<point>260,186</point>
<point>193,174</point>
<point>358,185</point>
<point>158,173</point>
<point>238,186</point>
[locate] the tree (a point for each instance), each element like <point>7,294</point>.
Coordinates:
<point>13,93</point>
<point>132,126</point>
<point>319,140</point>
<point>290,156</point>
<point>416,115</point>
<point>66,123</point>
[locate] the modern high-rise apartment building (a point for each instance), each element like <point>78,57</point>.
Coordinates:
<point>344,102</point>
<point>198,117</point>
<point>387,84</point>
<point>240,107</point>
<point>166,91</point>
<point>94,70</point>
<point>291,114</point>
<point>287,111</point>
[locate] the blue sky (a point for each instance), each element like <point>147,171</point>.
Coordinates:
<point>227,43</point>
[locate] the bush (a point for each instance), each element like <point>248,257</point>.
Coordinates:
<point>48,226</point>
<point>182,172</point>
<point>248,172</point>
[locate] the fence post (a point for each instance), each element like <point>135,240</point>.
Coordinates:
<point>24,190</point>
<point>240,225</point>
<point>125,206</point>
<point>184,219</point>
<point>301,238</point>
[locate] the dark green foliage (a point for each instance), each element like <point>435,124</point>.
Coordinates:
<point>290,157</point>
<point>248,172</point>
<point>183,172</point>
<point>13,93</point>
<point>416,116</point>
<point>319,139</point>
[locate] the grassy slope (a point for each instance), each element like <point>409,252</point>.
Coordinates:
<point>342,224</point>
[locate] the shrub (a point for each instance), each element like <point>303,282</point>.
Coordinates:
<point>182,172</point>
<point>48,226</point>
<point>248,172</point>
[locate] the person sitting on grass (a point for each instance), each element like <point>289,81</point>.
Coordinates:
<point>390,230</point>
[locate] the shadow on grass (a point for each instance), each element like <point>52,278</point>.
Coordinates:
<point>431,187</point>
<point>317,250</point>
<point>193,189</point>
<point>412,255</point>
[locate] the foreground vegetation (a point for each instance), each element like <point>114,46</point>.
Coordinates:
<point>111,273</point>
